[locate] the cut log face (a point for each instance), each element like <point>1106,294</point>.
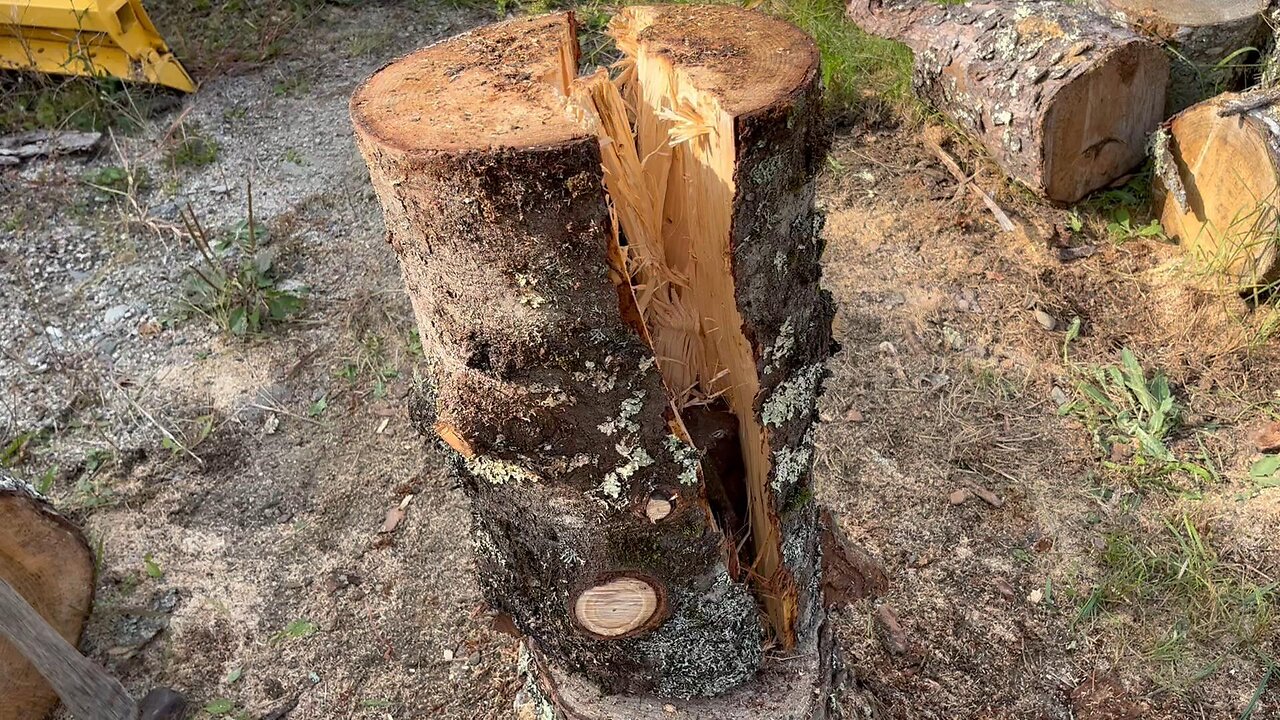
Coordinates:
<point>617,281</point>
<point>45,559</point>
<point>1217,181</point>
<point>1063,100</point>
<point>1205,38</point>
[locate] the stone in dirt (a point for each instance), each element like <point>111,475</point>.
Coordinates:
<point>1267,437</point>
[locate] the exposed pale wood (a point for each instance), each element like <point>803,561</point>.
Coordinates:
<point>1204,37</point>
<point>616,607</point>
<point>659,507</point>
<point>47,562</point>
<point>1218,184</point>
<point>1062,99</point>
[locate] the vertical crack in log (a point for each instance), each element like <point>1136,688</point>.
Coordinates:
<point>668,152</point>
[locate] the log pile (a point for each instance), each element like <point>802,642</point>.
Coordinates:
<point>616,280</point>
<point>1213,44</point>
<point>1062,99</point>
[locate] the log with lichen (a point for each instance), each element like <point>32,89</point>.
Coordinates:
<point>1213,45</point>
<point>616,280</point>
<point>1062,100</point>
<point>1217,177</point>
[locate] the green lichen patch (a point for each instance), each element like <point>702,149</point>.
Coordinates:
<point>782,347</point>
<point>687,457</point>
<point>791,464</point>
<point>636,457</point>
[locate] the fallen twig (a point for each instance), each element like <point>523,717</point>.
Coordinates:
<point>1002,218</point>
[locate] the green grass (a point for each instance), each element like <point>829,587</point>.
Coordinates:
<point>1124,404</point>
<point>192,149</point>
<point>1193,603</point>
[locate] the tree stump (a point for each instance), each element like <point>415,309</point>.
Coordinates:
<point>1213,44</point>
<point>616,281</point>
<point>1216,181</point>
<point>1063,100</point>
<point>46,559</point>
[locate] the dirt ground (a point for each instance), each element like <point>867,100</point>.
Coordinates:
<point>237,489</point>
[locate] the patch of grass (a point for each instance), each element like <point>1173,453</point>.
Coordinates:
<point>1122,214</point>
<point>236,282</point>
<point>31,101</point>
<point>193,149</point>
<point>1175,580</point>
<point>295,630</point>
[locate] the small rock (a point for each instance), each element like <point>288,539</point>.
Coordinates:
<point>474,659</point>
<point>1058,397</point>
<point>960,497</point>
<point>853,415</point>
<point>1267,437</point>
<point>887,348</point>
<point>1046,320</point>
<point>1004,588</point>
<point>892,634</point>
<point>116,313</point>
<point>669,709</point>
<point>448,655</point>
<point>1035,596</point>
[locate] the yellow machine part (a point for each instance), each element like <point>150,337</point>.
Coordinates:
<point>112,38</point>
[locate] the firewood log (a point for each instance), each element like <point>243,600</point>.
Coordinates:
<point>1062,99</point>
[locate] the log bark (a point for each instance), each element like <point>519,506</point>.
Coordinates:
<point>47,561</point>
<point>1204,38</point>
<point>1216,183</point>
<point>575,249</point>
<point>1063,100</point>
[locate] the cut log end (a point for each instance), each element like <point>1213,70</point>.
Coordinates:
<point>1228,166</point>
<point>47,560</point>
<point>1096,127</point>
<point>617,607</point>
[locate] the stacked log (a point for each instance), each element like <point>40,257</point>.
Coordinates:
<point>1213,45</point>
<point>1063,100</point>
<point>1216,183</point>
<point>616,282</point>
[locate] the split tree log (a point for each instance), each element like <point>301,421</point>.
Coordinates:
<point>1063,100</point>
<point>1217,179</point>
<point>47,560</point>
<point>1204,38</point>
<point>616,282</point>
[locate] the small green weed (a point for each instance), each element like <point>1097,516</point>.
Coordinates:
<point>236,283</point>
<point>295,630</point>
<point>193,149</point>
<point>153,569</point>
<point>1123,406</point>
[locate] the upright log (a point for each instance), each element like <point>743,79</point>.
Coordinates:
<point>46,560</point>
<point>1213,45</point>
<point>616,282</point>
<point>1217,179</point>
<point>1063,100</point>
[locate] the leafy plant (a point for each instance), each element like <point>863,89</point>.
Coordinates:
<point>1124,406</point>
<point>154,571</point>
<point>193,149</point>
<point>297,629</point>
<point>1266,472</point>
<point>236,282</point>
<point>1123,228</point>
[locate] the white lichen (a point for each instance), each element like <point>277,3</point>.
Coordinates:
<point>796,395</point>
<point>791,464</point>
<point>624,422</point>
<point>687,457</point>
<point>782,347</point>
<point>637,458</point>
<point>497,471</point>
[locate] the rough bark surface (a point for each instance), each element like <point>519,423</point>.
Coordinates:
<point>1063,100</point>
<point>1204,39</point>
<point>1217,181</point>
<point>47,561</point>
<point>563,428</point>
